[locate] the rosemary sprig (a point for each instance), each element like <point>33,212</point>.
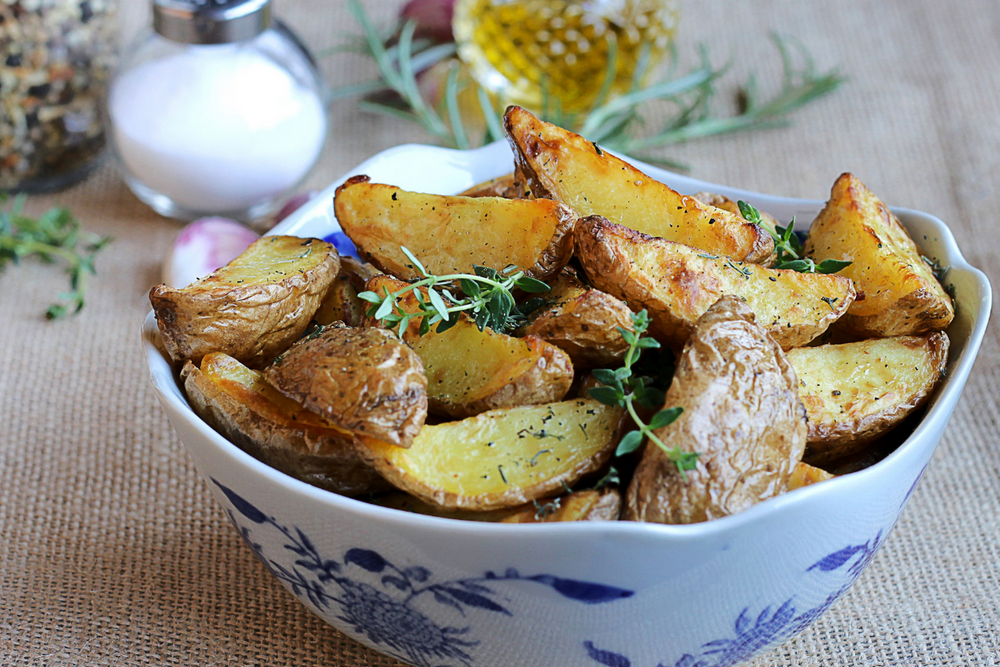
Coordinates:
<point>788,246</point>
<point>615,121</point>
<point>621,388</point>
<point>55,234</point>
<point>487,299</point>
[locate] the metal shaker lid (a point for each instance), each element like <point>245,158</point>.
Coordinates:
<point>211,21</point>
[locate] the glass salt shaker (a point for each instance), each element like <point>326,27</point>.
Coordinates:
<point>218,111</point>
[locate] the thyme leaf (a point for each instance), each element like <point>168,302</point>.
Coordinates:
<point>788,246</point>
<point>623,389</point>
<point>54,235</point>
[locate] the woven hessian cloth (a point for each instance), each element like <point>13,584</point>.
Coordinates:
<point>112,551</point>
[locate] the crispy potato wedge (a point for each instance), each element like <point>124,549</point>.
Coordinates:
<point>855,392</point>
<point>471,371</point>
<point>564,166</point>
<point>238,403</point>
<point>251,309</point>
<point>364,381</point>
<point>804,474</point>
<point>581,321</point>
<point>451,234</point>
<point>902,296</point>
<point>502,458</point>
<point>341,302</point>
<point>742,415</point>
<point>510,186</point>
<point>768,221</point>
<point>677,284</point>
<point>588,505</point>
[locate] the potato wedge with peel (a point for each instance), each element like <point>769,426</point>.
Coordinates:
<point>855,392</point>
<point>804,475</point>
<point>364,381</point>
<point>237,402</point>
<point>509,186</point>
<point>581,321</point>
<point>502,458</point>
<point>399,500</point>
<point>341,302</point>
<point>563,166</point>
<point>452,234</point>
<point>742,415</point>
<point>251,309</point>
<point>471,371</point>
<point>676,284</point>
<point>902,295</point>
<point>588,505</point>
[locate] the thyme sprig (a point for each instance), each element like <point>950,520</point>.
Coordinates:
<point>788,246</point>
<point>54,235</point>
<point>487,299</point>
<point>623,389</point>
<point>616,121</point>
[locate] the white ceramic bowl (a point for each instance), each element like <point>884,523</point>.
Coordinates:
<point>436,592</point>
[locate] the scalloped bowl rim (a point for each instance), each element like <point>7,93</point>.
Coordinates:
<point>946,395</point>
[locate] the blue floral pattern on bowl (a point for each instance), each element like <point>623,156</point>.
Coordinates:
<point>379,600</point>
<point>754,633</point>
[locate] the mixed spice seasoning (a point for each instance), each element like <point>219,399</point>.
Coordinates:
<point>56,58</point>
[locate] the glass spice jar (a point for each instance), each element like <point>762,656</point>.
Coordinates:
<point>56,57</point>
<point>526,51</point>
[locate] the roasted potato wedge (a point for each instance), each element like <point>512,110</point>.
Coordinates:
<point>471,371</point>
<point>510,186</point>
<point>767,221</point>
<point>251,309</point>
<point>502,458</point>
<point>238,403</point>
<point>581,321</point>
<point>588,505</point>
<point>676,284</point>
<point>451,234</point>
<point>902,296</point>
<point>364,381</point>
<point>564,166</point>
<point>742,415</point>
<point>804,474</point>
<point>341,302</point>
<point>855,392</point>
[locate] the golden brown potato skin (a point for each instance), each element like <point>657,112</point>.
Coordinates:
<point>564,166</point>
<point>238,403</point>
<point>341,302</point>
<point>587,505</point>
<point>741,414</point>
<point>856,392</point>
<point>676,284</point>
<point>451,234</point>
<point>365,381</point>
<point>502,458</point>
<point>583,322</point>
<point>400,500</point>
<point>251,309</point>
<point>902,296</point>
<point>471,371</point>
<point>805,475</point>
<point>509,186</point>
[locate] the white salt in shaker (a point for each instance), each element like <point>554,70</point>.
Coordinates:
<point>219,111</point>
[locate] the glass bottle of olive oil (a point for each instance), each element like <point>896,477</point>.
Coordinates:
<point>523,50</point>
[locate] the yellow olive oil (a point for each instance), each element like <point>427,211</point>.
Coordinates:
<point>524,50</point>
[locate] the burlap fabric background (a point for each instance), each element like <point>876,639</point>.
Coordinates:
<point>113,553</point>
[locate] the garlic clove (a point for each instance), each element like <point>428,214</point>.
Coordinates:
<point>204,246</point>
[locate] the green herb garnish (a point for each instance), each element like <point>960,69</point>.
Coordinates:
<point>487,299</point>
<point>624,390</point>
<point>55,234</point>
<point>789,247</point>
